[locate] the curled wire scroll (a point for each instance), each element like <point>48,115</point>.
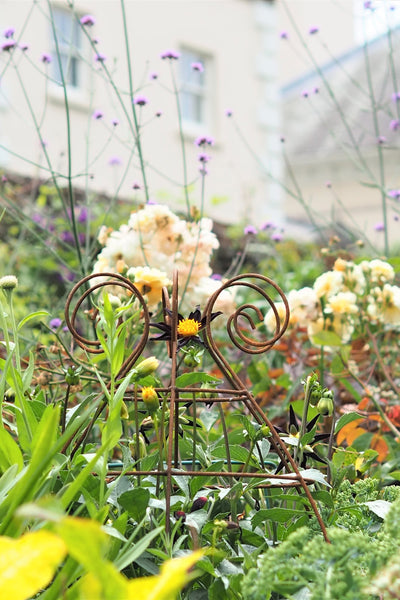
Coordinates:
<point>106,279</point>
<point>236,333</point>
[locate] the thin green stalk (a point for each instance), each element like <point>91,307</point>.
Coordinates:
<point>69,144</point>
<point>379,150</point>
<point>128,58</point>
<point>182,139</point>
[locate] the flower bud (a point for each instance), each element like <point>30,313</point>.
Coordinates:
<point>147,366</point>
<point>133,446</point>
<point>180,515</point>
<point>150,399</point>
<point>8,282</point>
<point>198,503</point>
<point>325,406</point>
<point>124,411</point>
<point>72,375</point>
<point>9,395</point>
<point>315,397</point>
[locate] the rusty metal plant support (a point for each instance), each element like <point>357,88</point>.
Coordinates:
<point>235,392</point>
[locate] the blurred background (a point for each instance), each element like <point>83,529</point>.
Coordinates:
<point>297,97</point>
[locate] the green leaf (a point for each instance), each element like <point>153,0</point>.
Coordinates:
<point>188,379</point>
<point>327,338</point>
<point>236,452</point>
<point>346,419</point>
<point>379,507</point>
<point>35,315</point>
<point>135,502</point>
<point>279,515</point>
<point>10,454</point>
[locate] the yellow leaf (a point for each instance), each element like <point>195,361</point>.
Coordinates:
<point>28,564</point>
<point>173,576</point>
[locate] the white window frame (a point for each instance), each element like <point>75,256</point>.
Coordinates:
<point>194,90</point>
<point>69,47</point>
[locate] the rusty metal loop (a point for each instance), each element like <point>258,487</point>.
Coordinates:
<point>237,335</point>
<point>107,279</point>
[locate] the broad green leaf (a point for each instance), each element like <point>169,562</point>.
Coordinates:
<point>315,475</point>
<point>10,454</point>
<point>236,452</point>
<point>28,564</point>
<point>345,419</point>
<point>327,338</point>
<point>281,515</point>
<point>188,379</point>
<point>45,434</point>
<point>135,502</point>
<point>379,507</point>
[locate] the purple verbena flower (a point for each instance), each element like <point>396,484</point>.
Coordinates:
<point>98,114</point>
<point>153,75</point>
<point>328,184</point>
<point>250,230</point>
<point>267,225</point>
<point>197,66</point>
<point>315,90</point>
<point>203,169</point>
<point>100,57</point>
<point>170,54</point>
<point>55,323</point>
<point>394,194</point>
<point>4,179</point>
<point>66,236</point>
<point>140,100</point>
<point>314,29</point>
<point>228,112</point>
<point>87,20</point>
<point>203,140</point>
<point>396,96</point>
<point>159,113</point>
<point>304,93</point>
<point>367,4</point>
<point>394,124</point>
<point>277,237</point>
<point>46,58</point>
<point>284,35</point>
<point>8,45</point>
<point>9,32</point>
<point>24,47</point>
<point>83,215</point>
<point>203,157</point>
<point>115,122</point>
<point>379,226</point>
<point>381,139</point>
<point>136,185</point>
<point>114,161</point>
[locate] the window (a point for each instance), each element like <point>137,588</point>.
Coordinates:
<point>193,78</point>
<point>69,42</point>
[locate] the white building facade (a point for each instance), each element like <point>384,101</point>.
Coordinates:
<point>86,98</point>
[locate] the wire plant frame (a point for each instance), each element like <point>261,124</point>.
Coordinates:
<point>239,326</point>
